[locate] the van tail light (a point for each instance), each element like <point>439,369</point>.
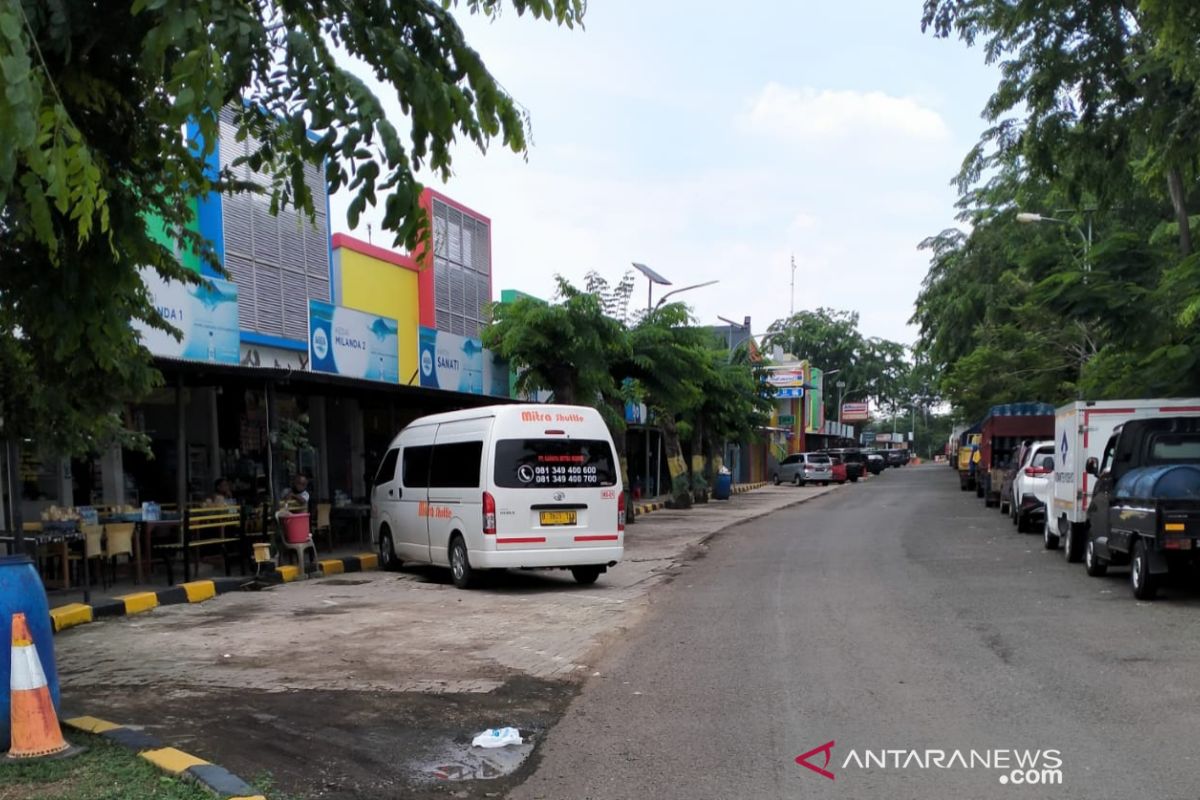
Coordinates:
<point>489,514</point>
<point>621,511</point>
<point>1034,472</point>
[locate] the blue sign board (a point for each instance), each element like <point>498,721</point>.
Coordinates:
<point>459,364</point>
<point>789,392</point>
<point>205,314</point>
<point>343,341</point>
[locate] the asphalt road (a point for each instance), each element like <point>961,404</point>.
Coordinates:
<point>896,615</point>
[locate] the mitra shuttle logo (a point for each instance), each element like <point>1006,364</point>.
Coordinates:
<point>1015,767</point>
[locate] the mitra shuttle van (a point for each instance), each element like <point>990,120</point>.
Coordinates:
<point>509,486</point>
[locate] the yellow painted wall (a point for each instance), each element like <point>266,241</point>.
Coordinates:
<point>378,287</point>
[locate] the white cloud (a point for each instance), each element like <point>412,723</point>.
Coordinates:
<point>810,113</point>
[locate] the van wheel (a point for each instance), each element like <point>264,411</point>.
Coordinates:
<point>796,480</point>
<point>387,553</point>
<point>585,575</point>
<point>1092,563</point>
<point>1049,540</point>
<point>1145,585</point>
<point>776,479</point>
<point>460,564</point>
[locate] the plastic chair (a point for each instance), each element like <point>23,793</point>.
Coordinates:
<point>294,543</point>
<point>120,543</point>
<point>93,547</point>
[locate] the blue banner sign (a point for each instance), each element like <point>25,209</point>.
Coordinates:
<point>205,314</point>
<point>343,341</point>
<point>459,364</point>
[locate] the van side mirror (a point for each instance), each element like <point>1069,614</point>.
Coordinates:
<point>1093,467</point>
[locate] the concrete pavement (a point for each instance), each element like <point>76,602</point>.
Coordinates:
<point>908,618</point>
<point>367,680</point>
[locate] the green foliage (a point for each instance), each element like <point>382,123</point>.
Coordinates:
<point>91,146</point>
<point>1095,121</point>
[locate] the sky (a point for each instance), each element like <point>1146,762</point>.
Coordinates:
<point>714,141</point>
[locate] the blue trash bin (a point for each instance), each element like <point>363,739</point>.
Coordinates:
<point>724,487</point>
<point>21,590</point>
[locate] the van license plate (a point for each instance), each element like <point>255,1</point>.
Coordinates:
<point>558,517</point>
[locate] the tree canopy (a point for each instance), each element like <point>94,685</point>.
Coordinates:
<point>1094,129</point>
<point>91,145</point>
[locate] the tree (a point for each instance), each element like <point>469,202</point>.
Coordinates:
<point>91,146</point>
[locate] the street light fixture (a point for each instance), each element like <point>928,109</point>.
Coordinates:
<point>841,387</point>
<point>653,278</point>
<point>1029,217</point>
<point>663,299</point>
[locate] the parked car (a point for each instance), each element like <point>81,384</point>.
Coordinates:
<point>804,468</point>
<point>875,463</point>
<point>496,487</point>
<point>853,458</point>
<point>1081,431</point>
<point>1033,487</point>
<point>1145,511</point>
<point>895,457</point>
<point>838,468</point>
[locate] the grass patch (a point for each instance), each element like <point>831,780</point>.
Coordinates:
<point>105,771</point>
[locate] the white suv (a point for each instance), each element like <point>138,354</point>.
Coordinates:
<point>804,468</point>
<point>1033,487</point>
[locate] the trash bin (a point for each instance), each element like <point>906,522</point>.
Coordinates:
<point>724,487</point>
<point>21,590</point>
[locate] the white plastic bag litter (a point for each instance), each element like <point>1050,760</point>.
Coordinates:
<point>497,737</point>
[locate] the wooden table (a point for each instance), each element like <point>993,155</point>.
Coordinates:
<point>63,539</point>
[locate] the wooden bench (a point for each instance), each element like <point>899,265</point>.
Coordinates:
<point>207,527</point>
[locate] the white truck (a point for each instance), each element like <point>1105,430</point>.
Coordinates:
<point>1081,431</point>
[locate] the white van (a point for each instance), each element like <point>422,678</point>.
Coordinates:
<point>511,486</point>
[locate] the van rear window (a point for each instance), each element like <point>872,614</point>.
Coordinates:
<point>569,463</point>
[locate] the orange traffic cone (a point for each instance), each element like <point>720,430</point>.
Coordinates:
<point>35,730</point>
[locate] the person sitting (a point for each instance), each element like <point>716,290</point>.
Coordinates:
<point>222,493</point>
<point>297,497</point>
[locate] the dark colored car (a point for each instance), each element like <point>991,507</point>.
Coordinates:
<point>876,463</point>
<point>897,457</point>
<point>853,458</point>
<point>1145,508</point>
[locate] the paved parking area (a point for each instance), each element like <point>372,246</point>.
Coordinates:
<point>379,667</point>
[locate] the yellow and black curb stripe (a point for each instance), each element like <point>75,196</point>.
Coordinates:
<point>646,508</point>
<point>218,780</point>
<point>72,614</point>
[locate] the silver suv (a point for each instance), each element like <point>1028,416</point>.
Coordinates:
<point>802,468</point>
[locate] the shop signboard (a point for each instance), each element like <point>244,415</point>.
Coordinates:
<point>786,420</point>
<point>205,314</point>
<point>459,364</point>
<point>855,412</point>
<point>868,437</point>
<point>343,341</point>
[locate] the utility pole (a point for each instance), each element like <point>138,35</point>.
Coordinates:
<point>792,311</point>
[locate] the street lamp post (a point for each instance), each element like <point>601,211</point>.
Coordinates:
<point>653,278</point>
<point>663,299</point>
<point>841,387</point>
<point>1027,217</point>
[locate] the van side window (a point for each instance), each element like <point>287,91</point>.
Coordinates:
<point>416,466</point>
<point>387,467</point>
<point>456,465</point>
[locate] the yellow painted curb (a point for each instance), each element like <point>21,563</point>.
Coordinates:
<point>368,561</point>
<point>173,761</point>
<point>139,602</point>
<point>199,591</point>
<point>70,615</point>
<point>91,724</point>
<point>332,566</point>
<point>289,573</point>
